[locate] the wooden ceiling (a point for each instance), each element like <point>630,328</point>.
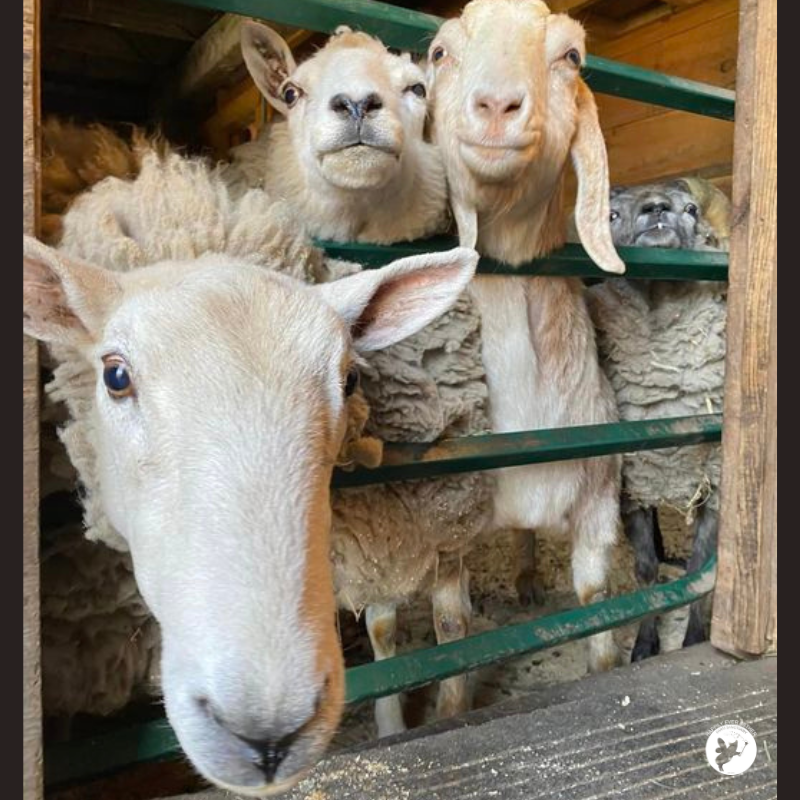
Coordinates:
<point>110,59</point>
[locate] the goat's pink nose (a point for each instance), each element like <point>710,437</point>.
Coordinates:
<point>498,107</point>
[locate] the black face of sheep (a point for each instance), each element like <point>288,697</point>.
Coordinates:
<point>658,215</point>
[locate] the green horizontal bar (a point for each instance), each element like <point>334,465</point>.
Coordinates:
<point>409,461</point>
<point>394,26</point>
<point>643,263</point>
<point>410,670</point>
<point>154,741</point>
<point>413,30</point>
<point>648,86</point>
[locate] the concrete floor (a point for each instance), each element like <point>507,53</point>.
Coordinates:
<point>638,732</point>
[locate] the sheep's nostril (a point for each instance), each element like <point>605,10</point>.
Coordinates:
<point>372,102</point>
<point>341,104</point>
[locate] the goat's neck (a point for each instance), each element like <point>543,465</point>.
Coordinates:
<point>522,230</point>
<point>544,320</point>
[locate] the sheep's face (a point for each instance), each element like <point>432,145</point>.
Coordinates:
<point>659,215</point>
<point>505,76</point>
<point>353,109</point>
<point>218,413</point>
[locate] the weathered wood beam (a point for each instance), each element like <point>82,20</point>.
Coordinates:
<point>679,4</point>
<point>31,641</point>
<point>564,6</point>
<point>215,60</point>
<point>600,27</point>
<point>745,613</point>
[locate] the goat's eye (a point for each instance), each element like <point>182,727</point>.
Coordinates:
<point>573,56</point>
<point>290,94</point>
<point>691,209</point>
<point>418,89</point>
<point>438,53</point>
<point>614,215</point>
<point>117,377</point>
<point>351,382</point>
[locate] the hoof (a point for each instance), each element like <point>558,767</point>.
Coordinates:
<point>529,589</point>
<point>695,632</point>
<point>647,642</point>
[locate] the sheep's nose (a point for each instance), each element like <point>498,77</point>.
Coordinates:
<point>357,109</point>
<point>656,207</point>
<point>270,751</point>
<point>498,107</point>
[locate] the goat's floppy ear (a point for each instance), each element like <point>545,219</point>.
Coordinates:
<point>63,300</point>
<point>269,60</point>
<point>591,165</point>
<point>386,305</point>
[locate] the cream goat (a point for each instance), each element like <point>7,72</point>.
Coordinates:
<point>206,385</point>
<point>509,108</point>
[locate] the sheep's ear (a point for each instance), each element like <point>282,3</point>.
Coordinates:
<point>268,59</point>
<point>592,205</point>
<point>63,300</point>
<point>386,305</point>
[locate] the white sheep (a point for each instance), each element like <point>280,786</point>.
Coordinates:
<point>351,160</point>
<point>207,389</point>
<point>350,156</point>
<point>662,345</point>
<point>509,108</point>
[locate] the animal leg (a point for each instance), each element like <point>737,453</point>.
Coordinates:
<point>452,611</point>
<point>382,629</point>
<point>641,528</point>
<point>529,587</point>
<point>595,531</point>
<point>703,547</point>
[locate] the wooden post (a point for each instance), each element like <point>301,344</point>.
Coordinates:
<point>31,658</point>
<point>745,613</point>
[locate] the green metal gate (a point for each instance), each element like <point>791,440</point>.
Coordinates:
<point>410,30</point>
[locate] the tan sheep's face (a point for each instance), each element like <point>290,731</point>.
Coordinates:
<point>505,76</point>
<point>218,413</point>
<point>353,108</point>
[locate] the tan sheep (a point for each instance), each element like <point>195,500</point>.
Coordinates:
<point>350,156</point>
<point>207,389</point>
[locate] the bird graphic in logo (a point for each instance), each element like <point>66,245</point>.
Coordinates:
<point>726,752</point>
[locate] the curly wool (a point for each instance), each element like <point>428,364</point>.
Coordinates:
<point>662,345</point>
<point>386,539</point>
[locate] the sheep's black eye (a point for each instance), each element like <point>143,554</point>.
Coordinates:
<point>691,208</point>
<point>418,89</point>
<point>117,377</point>
<point>573,56</point>
<point>614,215</point>
<point>290,94</point>
<point>438,53</point>
<point>351,382</point>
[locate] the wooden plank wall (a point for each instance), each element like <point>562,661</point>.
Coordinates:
<point>31,666</point>
<point>745,619</point>
<point>648,142</point>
